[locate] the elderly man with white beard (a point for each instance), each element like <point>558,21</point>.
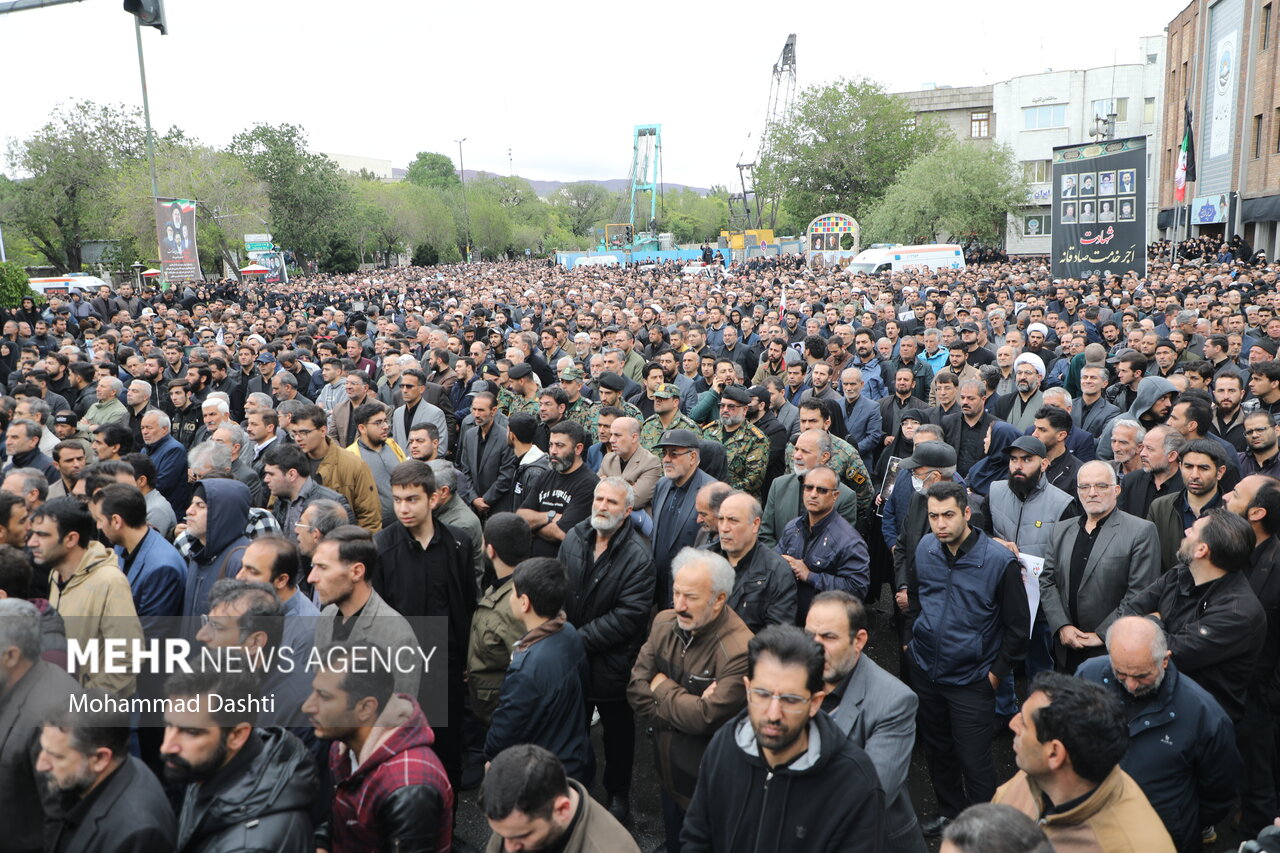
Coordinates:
<point>610,593</point>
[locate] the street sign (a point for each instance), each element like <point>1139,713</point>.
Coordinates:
<point>257,238</point>
<point>258,246</point>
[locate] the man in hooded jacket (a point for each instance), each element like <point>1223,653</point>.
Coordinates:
<point>216,520</point>
<point>1151,407</point>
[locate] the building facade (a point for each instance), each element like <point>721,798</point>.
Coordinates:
<point>966,110</point>
<point>1222,64</point>
<point>1038,112</point>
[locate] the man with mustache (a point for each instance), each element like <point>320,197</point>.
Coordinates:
<point>1182,748</point>
<point>611,580</point>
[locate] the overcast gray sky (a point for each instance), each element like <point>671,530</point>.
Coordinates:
<point>560,84</point>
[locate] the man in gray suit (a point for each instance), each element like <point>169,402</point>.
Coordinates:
<point>485,455</point>
<point>675,519</point>
<point>1091,411</point>
<point>874,708</point>
<point>1092,565</point>
<point>416,410</point>
<point>813,448</point>
<point>342,570</point>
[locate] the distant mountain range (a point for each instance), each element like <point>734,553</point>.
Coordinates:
<point>546,188</point>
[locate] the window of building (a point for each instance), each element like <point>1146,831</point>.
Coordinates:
<point>1152,58</point>
<point>1037,171</point>
<point>1264,33</point>
<point>1148,110</point>
<point>1257,135</point>
<point>1036,225</point>
<point>980,124</point>
<point>1275,124</point>
<point>1107,106</point>
<point>1046,115</point>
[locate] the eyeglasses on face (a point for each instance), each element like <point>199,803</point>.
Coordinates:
<point>790,702</point>
<point>822,490</point>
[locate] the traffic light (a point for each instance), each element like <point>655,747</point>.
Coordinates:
<point>627,233</point>
<point>150,13</point>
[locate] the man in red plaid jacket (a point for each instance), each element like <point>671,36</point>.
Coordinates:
<point>389,789</point>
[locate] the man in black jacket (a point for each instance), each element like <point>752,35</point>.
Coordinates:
<point>246,787</point>
<point>434,561</point>
<point>611,580</point>
<point>1256,499</point>
<point>1215,624</point>
<point>110,800</point>
<point>820,788</point>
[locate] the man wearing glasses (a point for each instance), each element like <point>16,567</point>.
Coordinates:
<point>675,521</point>
<point>833,793</point>
<point>416,410</point>
<point>823,550</point>
<point>1092,565</point>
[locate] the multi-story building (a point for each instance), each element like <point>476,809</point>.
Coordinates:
<point>1038,112</point>
<point>1222,64</point>
<point>966,110</point>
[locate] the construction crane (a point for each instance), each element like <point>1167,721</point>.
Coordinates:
<point>747,211</point>
<point>645,177</point>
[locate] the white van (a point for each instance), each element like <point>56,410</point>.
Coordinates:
<point>932,257</point>
<point>62,285</point>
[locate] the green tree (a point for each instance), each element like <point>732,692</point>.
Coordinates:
<point>338,255</point>
<point>232,202</point>
<point>309,197</point>
<point>432,171</point>
<point>14,285</point>
<point>841,148</point>
<point>62,198</point>
<point>490,228</point>
<point>581,205</point>
<point>960,191</point>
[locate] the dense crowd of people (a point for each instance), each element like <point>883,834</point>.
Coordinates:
<point>641,499</point>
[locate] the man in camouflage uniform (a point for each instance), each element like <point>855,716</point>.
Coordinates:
<point>666,416</point>
<point>845,459</point>
<point>523,396</point>
<point>746,448</point>
<point>580,410</point>
<point>610,387</point>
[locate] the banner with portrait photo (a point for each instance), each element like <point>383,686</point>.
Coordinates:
<point>1099,208</point>
<point>273,261</point>
<point>176,234</point>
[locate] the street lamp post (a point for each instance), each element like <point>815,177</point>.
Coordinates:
<point>137,275</point>
<point>466,214</point>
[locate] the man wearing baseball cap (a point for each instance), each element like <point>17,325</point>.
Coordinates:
<point>666,417</point>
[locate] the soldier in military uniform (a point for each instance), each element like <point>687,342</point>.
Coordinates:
<point>611,386</point>
<point>521,396</point>
<point>666,416</point>
<point>845,459</point>
<point>746,448</point>
<point>580,410</point>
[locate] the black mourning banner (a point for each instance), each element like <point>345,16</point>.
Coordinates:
<point>1099,208</point>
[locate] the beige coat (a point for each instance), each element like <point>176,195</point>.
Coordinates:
<point>97,604</point>
<point>642,471</point>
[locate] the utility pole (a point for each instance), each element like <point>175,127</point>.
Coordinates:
<point>146,110</point>
<point>466,214</point>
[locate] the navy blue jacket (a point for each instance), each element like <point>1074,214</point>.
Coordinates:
<point>542,701</point>
<point>835,554</point>
<point>170,459</point>
<point>1182,750</point>
<point>157,577</point>
<point>974,618</point>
